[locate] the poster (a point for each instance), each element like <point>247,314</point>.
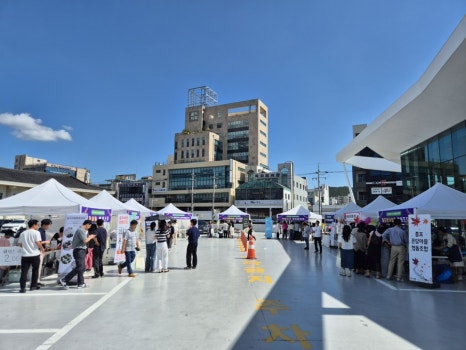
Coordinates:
<point>72,223</point>
<point>420,249</point>
<point>122,226</point>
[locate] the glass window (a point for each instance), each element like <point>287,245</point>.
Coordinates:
<point>187,142</point>
<point>458,138</point>
<point>198,141</point>
<point>433,151</point>
<point>445,147</point>
<point>219,125</point>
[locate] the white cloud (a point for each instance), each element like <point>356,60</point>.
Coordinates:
<point>27,128</point>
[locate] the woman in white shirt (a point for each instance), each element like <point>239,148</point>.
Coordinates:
<point>345,245</point>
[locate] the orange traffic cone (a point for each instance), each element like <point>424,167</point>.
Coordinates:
<point>251,249</point>
<point>244,240</point>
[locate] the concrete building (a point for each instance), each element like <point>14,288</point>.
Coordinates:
<point>217,147</point>
<point>368,184</point>
<point>25,162</point>
<point>214,132</point>
<point>197,186</point>
<point>423,133</point>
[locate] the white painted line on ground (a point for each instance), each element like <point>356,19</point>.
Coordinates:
<point>68,327</point>
<point>28,331</point>
<point>362,332</point>
<point>38,294</point>
<point>329,302</point>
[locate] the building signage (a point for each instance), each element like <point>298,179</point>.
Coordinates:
<point>381,190</point>
<point>388,216</point>
<point>419,248</point>
<point>258,203</point>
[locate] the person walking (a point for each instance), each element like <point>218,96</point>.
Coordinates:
<point>318,238</point>
<point>30,242</point>
<point>306,234</point>
<point>250,232</point>
<point>397,239</point>
<point>346,243</point>
<point>191,250</point>
<point>285,230</point>
<point>150,248</point>
<point>100,244</point>
<point>79,245</point>
<point>130,245</point>
<point>161,248</point>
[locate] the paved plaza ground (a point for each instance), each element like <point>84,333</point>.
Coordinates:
<point>288,298</point>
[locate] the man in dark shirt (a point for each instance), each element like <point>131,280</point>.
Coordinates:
<point>191,251</point>
<point>100,244</point>
<point>44,226</point>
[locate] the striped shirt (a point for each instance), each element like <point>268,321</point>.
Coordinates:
<point>161,236</point>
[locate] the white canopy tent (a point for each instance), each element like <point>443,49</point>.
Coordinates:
<point>349,208</point>
<point>440,201</point>
<point>172,212</point>
<point>372,209</point>
<point>132,203</point>
<point>48,198</point>
<point>105,199</point>
<point>233,213</point>
<point>299,213</point>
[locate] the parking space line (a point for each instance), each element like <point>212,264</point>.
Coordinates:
<point>69,326</point>
<point>28,331</point>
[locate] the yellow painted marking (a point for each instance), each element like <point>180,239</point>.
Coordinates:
<point>251,262</point>
<point>301,336</point>
<point>254,269</point>
<point>260,279</point>
<point>276,333</point>
<point>273,306</point>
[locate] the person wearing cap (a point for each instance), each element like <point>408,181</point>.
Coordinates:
<point>397,239</point>
<point>79,245</point>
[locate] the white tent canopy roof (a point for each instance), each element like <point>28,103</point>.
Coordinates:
<point>105,199</point>
<point>172,212</point>
<point>48,198</point>
<point>414,117</point>
<point>349,208</point>
<point>299,211</point>
<point>372,209</point>
<point>232,212</point>
<point>440,201</point>
<point>132,203</point>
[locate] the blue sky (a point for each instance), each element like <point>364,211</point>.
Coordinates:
<point>103,84</point>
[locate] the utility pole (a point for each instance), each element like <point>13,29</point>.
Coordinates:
<point>319,173</point>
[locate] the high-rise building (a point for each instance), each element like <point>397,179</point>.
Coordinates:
<point>212,132</point>
<point>212,154</point>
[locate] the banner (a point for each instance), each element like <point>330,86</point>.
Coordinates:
<point>388,216</point>
<point>420,249</point>
<point>94,214</point>
<point>10,256</point>
<point>122,226</point>
<point>72,223</point>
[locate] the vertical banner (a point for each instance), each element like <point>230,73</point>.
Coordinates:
<point>122,226</point>
<point>72,223</point>
<point>420,249</point>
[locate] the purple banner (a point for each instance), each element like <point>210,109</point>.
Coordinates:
<point>293,217</point>
<point>93,214</point>
<point>387,216</point>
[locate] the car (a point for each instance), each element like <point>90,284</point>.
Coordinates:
<point>203,226</point>
<point>15,225</point>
